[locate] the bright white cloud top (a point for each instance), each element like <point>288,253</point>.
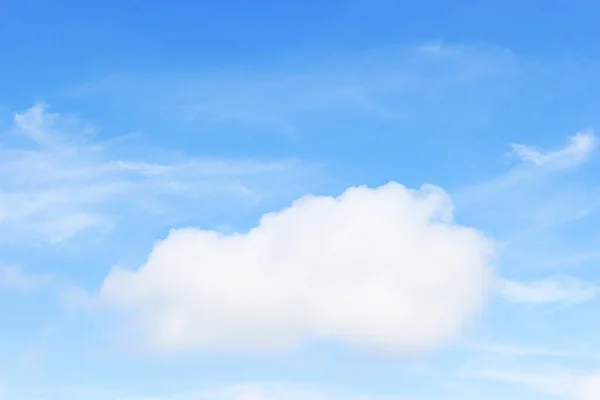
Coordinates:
<point>384,268</point>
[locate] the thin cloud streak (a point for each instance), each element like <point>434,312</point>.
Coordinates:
<point>560,289</point>
<point>15,279</point>
<point>57,181</point>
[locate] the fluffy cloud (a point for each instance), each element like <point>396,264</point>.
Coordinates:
<point>588,388</point>
<point>384,268</point>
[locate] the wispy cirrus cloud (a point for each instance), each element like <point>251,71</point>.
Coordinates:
<point>389,83</point>
<point>534,164</point>
<point>58,179</point>
<point>578,149</point>
<point>532,200</point>
<point>558,289</point>
<point>528,207</point>
<point>535,198</point>
<point>14,278</point>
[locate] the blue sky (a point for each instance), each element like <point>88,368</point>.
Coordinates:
<point>312,200</point>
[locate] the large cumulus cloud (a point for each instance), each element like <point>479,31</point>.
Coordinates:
<point>382,268</point>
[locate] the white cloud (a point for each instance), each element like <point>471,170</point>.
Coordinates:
<point>384,268</point>
<point>534,164</point>
<point>13,278</point>
<point>558,289</point>
<point>578,149</point>
<point>588,388</point>
<point>57,181</point>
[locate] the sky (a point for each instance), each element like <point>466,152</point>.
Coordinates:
<point>358,200</point>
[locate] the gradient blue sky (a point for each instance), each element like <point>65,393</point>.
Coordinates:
<point>123,120</point>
